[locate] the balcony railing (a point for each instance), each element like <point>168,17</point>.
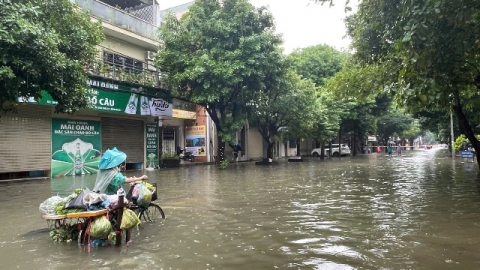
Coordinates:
<point>115,66</point>
<point>119,17</point>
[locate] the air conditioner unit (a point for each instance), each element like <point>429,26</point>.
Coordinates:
<point>150,55</point>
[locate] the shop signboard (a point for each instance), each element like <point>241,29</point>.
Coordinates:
<point>181,114</point>
<point>117,98</point>
<point>195,138</point>
<point>76,147</point>
<point>160,107</point>
<point>152,146</point>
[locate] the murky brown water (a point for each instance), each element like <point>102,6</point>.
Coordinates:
<point>421,211</point>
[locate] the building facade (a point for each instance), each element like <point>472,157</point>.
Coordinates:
<point>127,105</point>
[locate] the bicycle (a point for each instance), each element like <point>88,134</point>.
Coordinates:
<point>152,212</point>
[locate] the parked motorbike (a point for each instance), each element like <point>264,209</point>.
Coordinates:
<point>185,155</point>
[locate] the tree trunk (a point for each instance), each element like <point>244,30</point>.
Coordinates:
<point>354,142</point>
<point>463,124</point>
<point>339,141</point>
<point>298,147</point>
<point>270,150</point>
<point>322,154</point>
<point>220,150</point>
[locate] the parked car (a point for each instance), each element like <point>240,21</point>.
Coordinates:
<point>335,151</point>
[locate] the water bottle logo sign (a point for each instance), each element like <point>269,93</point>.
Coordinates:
<point>78,162</point>
<point>145,106</point>
<point>132,104</point>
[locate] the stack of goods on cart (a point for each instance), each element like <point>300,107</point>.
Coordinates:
<point>82,202</point>
<point>53,209</point>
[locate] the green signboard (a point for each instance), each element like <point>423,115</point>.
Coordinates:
<point>120,102</point>
<point>110,97</point>
<point>152,146</point>
<point>76,147</point>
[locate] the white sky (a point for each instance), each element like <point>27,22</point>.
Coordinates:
<point>301,22</point>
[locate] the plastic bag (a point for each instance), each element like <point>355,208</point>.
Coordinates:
<point>135,191</point>
<point>153,189</point>
<point>77,202</point>
<point>129,219</point>
<point>113,199</point>
<point>48,206</point>
<point>144,195</point>
<point>92,198</point>
<point>100,227</point>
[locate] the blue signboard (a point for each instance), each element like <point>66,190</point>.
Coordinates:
<point>466,154</point>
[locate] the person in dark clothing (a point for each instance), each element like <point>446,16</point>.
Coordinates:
<point>236,148</point>
<point>179,150</point>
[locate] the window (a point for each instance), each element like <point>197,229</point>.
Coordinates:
<point>130,65</point>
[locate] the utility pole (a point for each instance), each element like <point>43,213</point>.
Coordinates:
<point>451,135</point>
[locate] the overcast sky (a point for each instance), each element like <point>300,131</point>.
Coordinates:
<point>301,22</point>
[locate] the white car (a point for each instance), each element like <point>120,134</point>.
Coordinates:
<point>335,151</point>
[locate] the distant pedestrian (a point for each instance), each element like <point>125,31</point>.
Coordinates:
<point>236,149</point>
<point>399,150</point>
<point>389,150</point>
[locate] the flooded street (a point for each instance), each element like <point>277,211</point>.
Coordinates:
<point>420,211</point>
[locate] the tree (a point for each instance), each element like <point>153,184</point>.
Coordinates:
<point>317,63</point>
<point>394,123</point>
<point>45,45</point>
<point>219,55</point>
<point>429,48</point>
<point>360,90</point>
<point>279,107</point>
<point>412,133</point>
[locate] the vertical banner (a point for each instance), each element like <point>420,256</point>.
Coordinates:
<point>152,146</point>
<point>195,140</point>
<point>76,147</point>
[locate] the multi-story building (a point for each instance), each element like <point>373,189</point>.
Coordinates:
<point>129,109</point>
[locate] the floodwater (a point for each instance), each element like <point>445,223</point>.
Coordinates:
<point>420,211</point>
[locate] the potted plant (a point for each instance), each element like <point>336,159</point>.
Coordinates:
<point>170,160</point>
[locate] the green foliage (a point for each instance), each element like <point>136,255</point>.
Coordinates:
<point>391,124</point>
<point>223,164</point>
<point>169,155</point>
<point>429,138</point>
<point>429,51</point>
<point>461,141</point>
<point>413,131</point>
<point>45,45</point>
<point>218,56</point>
<point>65,233</point>
<point>328,115</point>
<point>281,105</point>
<point>317,63</point>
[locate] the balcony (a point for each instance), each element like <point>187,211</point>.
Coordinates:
<point>136,16</point>
<point>112,65</point>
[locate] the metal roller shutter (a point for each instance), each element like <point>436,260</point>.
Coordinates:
<point>25,139</point>
<point>125,134</point>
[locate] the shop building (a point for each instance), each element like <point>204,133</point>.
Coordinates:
<point>126,103</point>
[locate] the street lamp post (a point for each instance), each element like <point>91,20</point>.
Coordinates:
<point>451,135</point>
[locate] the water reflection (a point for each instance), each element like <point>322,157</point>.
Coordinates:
<point>369,212</point>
